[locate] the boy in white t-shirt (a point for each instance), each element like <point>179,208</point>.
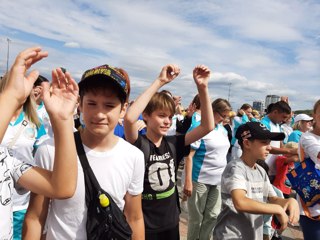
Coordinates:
<point>117,165</point>
<point>14,171</point>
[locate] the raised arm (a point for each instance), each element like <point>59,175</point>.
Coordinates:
<point>167,74</point>
<point>19,85</point>
<point>60,103</point>
<point>201,75</point>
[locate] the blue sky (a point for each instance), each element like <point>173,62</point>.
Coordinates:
<point>257,47</point>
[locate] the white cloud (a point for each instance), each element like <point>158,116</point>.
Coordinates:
<point>262,47</point>
<point>72,44</point>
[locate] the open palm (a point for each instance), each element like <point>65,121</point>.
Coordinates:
<point>61,100</point>
<point>20,84</point>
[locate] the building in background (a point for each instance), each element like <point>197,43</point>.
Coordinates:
<point>271,99</point>
<point>259,106</point>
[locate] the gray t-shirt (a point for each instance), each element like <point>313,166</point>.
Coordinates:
<point>232,224</point>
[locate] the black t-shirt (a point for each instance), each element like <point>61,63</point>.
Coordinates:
<point>160,211</point>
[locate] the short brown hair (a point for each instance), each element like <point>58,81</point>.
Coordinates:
<point>160,100</point>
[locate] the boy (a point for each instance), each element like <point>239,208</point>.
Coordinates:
<point>246,190</point>
<point>162,154</point>
<point>117,165</point>
<point>60,103</point>
<point>278,113</point>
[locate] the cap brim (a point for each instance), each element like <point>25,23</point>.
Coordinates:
<point>279,136</point>
<point>101,77</point>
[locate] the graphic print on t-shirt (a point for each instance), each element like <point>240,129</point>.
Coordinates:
<point>160,170</point>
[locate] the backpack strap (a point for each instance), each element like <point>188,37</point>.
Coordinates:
<point>87,170</point>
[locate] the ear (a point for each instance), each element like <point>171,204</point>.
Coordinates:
<point>123,110</point>
<point>246,144</point>
<point>145,116</point>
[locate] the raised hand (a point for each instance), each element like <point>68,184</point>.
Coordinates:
<point>19,85</point>
<point>168,73</point>
<point>201,75</point>
<point>60,101</point>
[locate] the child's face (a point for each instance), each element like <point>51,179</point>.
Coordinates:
<point>281,117</point>
<point>259,149</point>
<point>159,121</point>
<point>101,111</point>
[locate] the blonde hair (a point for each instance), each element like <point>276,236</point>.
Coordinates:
<point>160,100</point>
<point>297,126</point>
<point>29,106</point>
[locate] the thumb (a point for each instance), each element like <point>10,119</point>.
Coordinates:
<point>33,76</point>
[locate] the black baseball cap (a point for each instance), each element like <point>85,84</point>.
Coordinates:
<point>257,130</point>
<point>106,73</point>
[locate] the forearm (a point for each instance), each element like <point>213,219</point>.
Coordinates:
<point>137,227</point>
<point>8,106</point>
<point>188,168</point>
<point>35,218</point>
<point>207,119</point>
<point>251,206</point>
<point>64,174</point>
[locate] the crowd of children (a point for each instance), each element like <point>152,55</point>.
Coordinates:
<point>229,194</point>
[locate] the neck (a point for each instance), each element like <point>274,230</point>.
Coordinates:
<point>248,160</point>
<point>98,143</point>
<point>155,138</point>
<point>16,114</point>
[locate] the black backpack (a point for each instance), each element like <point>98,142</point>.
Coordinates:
<point>102,222</point>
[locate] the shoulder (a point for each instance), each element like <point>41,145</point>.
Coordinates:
<point>235,167</point>
<point>129,148</point>
<point>308,136</point>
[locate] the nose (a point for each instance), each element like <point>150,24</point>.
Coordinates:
<point>269,147</point>
<point>167,120</point>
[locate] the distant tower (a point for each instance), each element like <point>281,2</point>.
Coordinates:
<point>271,99</point>
<point>258,105</point>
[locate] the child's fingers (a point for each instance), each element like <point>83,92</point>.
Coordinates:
<point>33,75</point>
<point>45,93</point>
<point>55,79</point>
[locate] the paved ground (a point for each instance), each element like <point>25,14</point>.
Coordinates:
<point>289,234</point>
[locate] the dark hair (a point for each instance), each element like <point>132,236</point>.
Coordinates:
<point>281,107</point>
<point>196,101</point>
<point>244,106</point>
<point>40,80</point>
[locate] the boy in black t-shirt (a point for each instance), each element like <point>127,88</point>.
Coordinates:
<point>159,198</point>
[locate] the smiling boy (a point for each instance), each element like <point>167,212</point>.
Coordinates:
<point>117,165</point>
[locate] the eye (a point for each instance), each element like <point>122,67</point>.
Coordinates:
<point>91,103</point>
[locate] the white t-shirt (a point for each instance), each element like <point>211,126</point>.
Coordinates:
<point>118,171</point>
<point>44,117</point>
<point>311,146</point>
<point>11,169</point>
<point>271,159</point>
<point>210,157</point>
<point>25,144</point>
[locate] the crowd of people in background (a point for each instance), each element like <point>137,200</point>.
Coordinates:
<point>235,161</point>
